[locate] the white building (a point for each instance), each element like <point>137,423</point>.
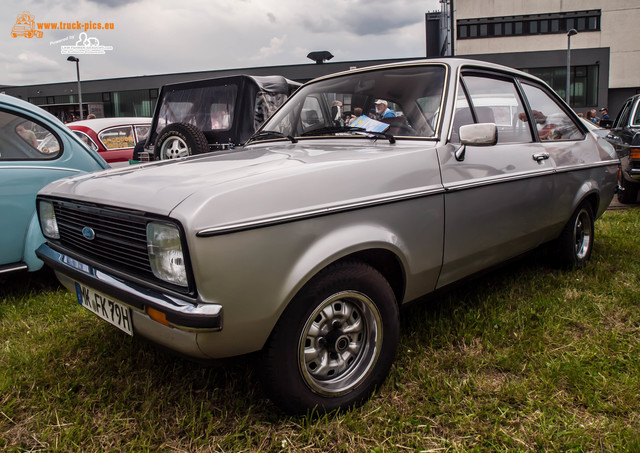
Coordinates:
<point>532,35</point>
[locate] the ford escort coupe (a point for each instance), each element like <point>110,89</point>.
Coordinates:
<point>304,244</point>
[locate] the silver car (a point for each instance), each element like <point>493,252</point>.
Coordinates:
<point>366,190</point>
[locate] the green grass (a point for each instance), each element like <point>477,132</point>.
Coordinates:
<point>524,358</point>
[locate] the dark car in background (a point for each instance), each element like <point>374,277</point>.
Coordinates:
<point>206,115</point>
<point>625,137</point>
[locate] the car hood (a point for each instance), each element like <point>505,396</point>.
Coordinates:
<point>255,182</point>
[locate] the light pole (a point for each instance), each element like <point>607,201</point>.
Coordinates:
<point>77,61</point>
<point>570,33</point>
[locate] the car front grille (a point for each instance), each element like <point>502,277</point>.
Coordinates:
<point>120,238</point>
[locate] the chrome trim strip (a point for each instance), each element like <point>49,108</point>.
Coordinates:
<point>39,167</point>
<point>261,223</point>
<point>497,180</point>
<point>424,192</point>
<point>13,268</point>
<point>180,313</point>
<point>578,167</point>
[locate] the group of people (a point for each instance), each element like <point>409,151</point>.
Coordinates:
<point>381,110</point>
<point>591,115</point>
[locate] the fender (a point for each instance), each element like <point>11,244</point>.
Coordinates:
<point>32,241</point>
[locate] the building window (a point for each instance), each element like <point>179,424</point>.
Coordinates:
<point>508,29</point>
<point>534,24</point>
<point>584,83</point>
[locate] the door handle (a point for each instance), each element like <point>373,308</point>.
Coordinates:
<point>538,157</point>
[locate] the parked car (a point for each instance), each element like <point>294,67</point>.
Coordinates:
<point>206,115</point>
<point>625,137</point>
<point>35,149</point>
<point>113,138</point>
<point>304,243</point>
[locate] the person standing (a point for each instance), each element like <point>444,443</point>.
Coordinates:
<point>591,116</point>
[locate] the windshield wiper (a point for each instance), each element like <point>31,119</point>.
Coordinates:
<point>267,134</point>
<point>337,129</point>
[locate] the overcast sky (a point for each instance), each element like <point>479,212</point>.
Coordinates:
<point>169,36</point>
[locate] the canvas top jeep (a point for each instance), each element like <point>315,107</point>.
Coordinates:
<point>206,115</point>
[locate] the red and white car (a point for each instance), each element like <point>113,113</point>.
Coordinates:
<point>113,138</point>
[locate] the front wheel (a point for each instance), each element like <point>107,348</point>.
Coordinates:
<point>335,343</point>
<point>576,241</point>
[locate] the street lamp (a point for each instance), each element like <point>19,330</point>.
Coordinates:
<point>77,61</point>
<point>570,33</point>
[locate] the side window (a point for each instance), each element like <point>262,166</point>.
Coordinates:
<point>497,101</point>
<point>86,140</point>
<point>142,131</point>
<point>119,137</point>
<point>552,123</point>
<point>623,115</point>
<point>22,139</point>
<point>636,115</point>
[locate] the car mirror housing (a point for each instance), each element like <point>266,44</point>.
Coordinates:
<point>480,134</point>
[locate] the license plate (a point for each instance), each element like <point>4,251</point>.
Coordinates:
<point>108,309</point>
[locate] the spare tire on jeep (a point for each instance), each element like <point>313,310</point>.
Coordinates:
<point>180,140</point>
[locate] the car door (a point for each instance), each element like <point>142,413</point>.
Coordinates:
<point>496,196</point>
<point>566,145</point>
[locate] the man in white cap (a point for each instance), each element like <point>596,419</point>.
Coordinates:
<point>383,110</point>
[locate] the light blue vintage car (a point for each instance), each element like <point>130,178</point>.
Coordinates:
<point>35,149</point>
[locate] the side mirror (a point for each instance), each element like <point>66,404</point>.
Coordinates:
<point>480,134</point>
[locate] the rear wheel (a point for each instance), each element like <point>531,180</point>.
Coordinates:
<point>335,343</point>
<point>576,241</point>
<point>180,140</point>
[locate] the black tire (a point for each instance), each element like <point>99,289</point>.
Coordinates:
<point>335,342</point>
<point>575,244</point>
<point>630,192</point>
<point>180,140</point>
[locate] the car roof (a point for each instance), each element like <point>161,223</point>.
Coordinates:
<point>452,62</point>
<point>98,124</point>
<point>270,83</point>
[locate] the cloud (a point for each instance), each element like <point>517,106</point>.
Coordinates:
<point>274,48</point>
<point>165,36</point>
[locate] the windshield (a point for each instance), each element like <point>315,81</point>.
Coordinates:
<point>403,101</point>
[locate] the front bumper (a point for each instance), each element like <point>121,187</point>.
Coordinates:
<point>181,313</point>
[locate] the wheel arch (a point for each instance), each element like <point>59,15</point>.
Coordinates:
<point>386,263</point>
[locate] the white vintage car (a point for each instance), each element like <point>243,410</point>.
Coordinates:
<point>304,243</point>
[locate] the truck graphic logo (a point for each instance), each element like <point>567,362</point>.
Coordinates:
<point>25,26</point>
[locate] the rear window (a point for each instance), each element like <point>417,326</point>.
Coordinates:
<point>207,108</point>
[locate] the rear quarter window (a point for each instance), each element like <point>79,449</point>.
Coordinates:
<point>24,139</point>
<point>120,137</point>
